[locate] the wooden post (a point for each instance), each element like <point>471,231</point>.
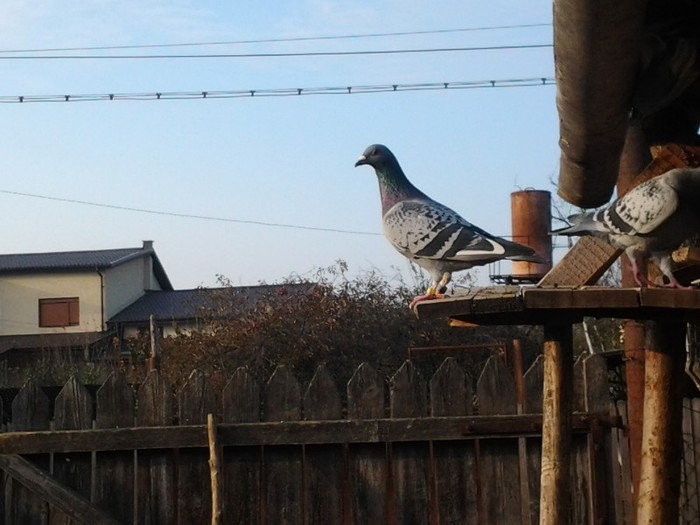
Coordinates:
<point>557,395</point>
<point>662,431</point>
<point>635,157</point>
<point>214,466</point>
<point>153,359</point>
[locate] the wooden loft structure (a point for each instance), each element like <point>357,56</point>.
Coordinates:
<point>666,311</point>
<point>628,97</point>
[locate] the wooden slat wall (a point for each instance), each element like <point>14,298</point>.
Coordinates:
<point>480,480</point>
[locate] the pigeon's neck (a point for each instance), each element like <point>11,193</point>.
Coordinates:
<point>395,187</point>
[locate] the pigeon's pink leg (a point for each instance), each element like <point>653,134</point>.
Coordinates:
<point>639,277</point>
<point>431,294</point>
<point>666,268</point>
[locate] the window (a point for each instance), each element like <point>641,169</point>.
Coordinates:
<point>59,312</point>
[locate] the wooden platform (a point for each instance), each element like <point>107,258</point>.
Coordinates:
<point>512,305</point>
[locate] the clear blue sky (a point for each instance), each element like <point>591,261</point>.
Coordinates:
<point>285,160</point>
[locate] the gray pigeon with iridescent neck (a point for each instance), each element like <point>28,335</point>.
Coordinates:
<point>430,234</point>
<point>649,222</point>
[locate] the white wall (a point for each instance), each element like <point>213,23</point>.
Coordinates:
<point>125,283</point>
<point>20,294</point>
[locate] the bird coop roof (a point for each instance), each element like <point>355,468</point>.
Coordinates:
<point>616,63</point>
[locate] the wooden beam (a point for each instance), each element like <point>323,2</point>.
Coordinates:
<point>40,482</point>
<point>288,433</point>
<point>662,430</point>
<point>557,396</point>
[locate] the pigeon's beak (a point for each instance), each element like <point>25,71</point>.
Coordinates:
<point>362,160</point>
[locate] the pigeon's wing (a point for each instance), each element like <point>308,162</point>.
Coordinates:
<point>427,230</point>
<point>642,210</point>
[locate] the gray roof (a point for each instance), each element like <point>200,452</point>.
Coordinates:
<point>82,260</point>
<point>167,305</point>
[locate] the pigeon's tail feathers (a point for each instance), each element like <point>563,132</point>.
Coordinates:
<point>579,224</point>
<point>527,258</point>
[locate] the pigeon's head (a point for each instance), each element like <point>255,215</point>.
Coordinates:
<point>377,156</point>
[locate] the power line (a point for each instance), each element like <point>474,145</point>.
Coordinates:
<point>278,55</point>
<point>194,216</point>
<point>277,40</point>
<point>187,215</point>
<point>282,92</point>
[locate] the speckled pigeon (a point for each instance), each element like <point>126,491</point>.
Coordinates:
<point>430,234</point>
<point>649,222</point>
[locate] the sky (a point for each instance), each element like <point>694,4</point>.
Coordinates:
<point>210,168</point>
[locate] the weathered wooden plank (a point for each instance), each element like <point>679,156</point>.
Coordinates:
<point>623,495</point>
<point>367,472</point>
<point>410,461</point>
<point>242,464</point>
<point>532,382</point>
<point>156,468</point>
<point>114,471</point>
<point>30,412</point>
<point>597,400</point>
<point>196,400</point>
<point>325,482</point>
<point>689,510</point>
<point>72,411</point>
<point>283,466</point>
<point>454,462</point>
<point>694,416</point>
<point>498,458</point>
<point>73,505</point>
<point>291,433</point>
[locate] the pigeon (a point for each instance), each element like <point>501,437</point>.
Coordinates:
<point>430,234</point>
<point>649,222</point>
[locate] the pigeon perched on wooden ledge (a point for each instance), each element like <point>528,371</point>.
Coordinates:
<point>432,235</point>
<point>649,222</point>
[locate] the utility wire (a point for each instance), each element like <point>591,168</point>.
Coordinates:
<point>276,40</point>
<point>278,55</point>
<point>186,215</point>
<point>283,92</point>
<point>194,216</point>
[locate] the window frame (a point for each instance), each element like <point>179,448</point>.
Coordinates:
<point>56,318</point>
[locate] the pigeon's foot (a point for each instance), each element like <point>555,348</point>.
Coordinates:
<point>425,297</point>
<point>674,284</point>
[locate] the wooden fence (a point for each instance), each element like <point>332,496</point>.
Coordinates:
<point>404,451</point>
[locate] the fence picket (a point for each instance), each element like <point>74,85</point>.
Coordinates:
<point>367,471</point>
<point>454,462</point>
<point>30,411</point>
<point>283,477</point>
<point>156,468</point>
<point>580,476</point>
<point>114,470</point>
<point>498,458</point>
<point>410,461</point>
<point>323,464</point>
<point>72,411</point>
<point>532,382</point>
<point>242,465</point>
<point>196,400</point>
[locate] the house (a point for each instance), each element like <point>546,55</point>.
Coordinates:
<point>65,299</point>
<point>83,303</point>
<point>174,311</point>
